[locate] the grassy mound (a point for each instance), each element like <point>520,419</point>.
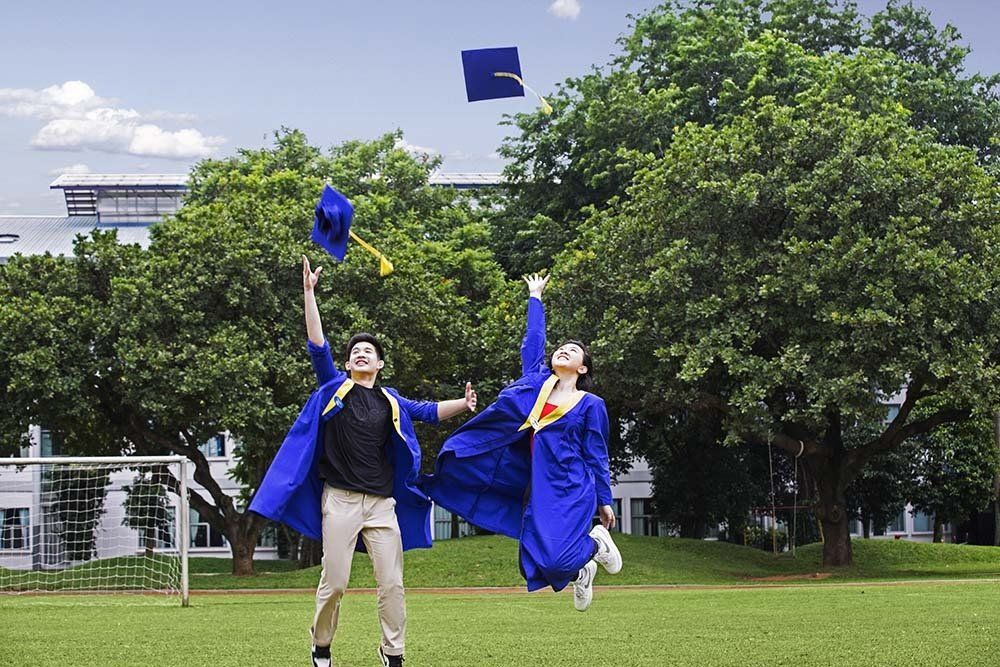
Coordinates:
<point>492,561</point>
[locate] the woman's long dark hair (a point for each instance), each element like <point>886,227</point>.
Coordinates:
<point>584,382</point>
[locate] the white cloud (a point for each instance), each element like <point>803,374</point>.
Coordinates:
<point>71,169</point>
<point>156,142</point>
<point>413,149</point>
<point>67,99</point>
<point>78,119</point>
<point>170,116</point>
<point>565,9</point>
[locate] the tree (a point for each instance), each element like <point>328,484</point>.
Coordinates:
<point>154,352</point>
<point>747,197</point>
<point>953,472</point>
<point>147,508</point>
<point>807,263</point>
<point>695,62</point>
<point>76,503</point>
<point>698,482</point>
<point>880,490</point>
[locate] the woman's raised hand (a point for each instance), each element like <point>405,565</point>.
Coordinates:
<point>536,284</point>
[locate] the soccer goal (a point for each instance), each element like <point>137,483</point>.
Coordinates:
<point>94,525</point>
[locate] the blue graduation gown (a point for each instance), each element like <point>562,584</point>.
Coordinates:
<point>484,468</point>
<point>291,491</point>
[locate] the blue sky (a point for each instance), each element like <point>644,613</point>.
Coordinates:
<point>151,87</point>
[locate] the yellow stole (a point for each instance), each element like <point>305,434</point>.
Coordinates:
<point>347,385</point>
<point>535,420</point>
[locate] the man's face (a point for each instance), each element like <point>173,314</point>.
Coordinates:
<point>569,357</point>
<point>364,359</point>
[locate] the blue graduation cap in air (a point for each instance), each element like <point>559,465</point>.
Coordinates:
<point>495,73</point>
<point>332,228</point>
<point>332,222</point>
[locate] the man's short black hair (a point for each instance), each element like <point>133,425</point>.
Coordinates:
<point>363,338</point>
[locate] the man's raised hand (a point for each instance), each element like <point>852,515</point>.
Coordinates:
<point>309,277</point>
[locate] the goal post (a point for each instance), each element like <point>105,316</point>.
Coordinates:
<point>94,525</point>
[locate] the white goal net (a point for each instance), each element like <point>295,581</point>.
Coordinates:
<point>94,525</point>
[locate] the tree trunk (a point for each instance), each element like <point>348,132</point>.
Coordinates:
<point>996,522</point>
<point>833,517</point>
<point>996,489</point>
<point>866,526</point>
<point>736,530</point>
<point>243,532</point>
<point>150,542</point>
<point>693,528</point>
<point>938,529</point>
<point>294,540</point>
<point>243,558</point>
<point>454,526</point>
<point>310,553</point>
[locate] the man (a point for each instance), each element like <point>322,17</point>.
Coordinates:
<point>346,474</point>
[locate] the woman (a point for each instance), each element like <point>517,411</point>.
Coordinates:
<point>534,465</point>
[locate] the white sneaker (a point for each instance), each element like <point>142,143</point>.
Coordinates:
<point>321,656</point>
<point>583,587</point>
<point>607,554</point>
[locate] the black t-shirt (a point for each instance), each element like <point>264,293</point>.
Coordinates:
<point>355,452</point>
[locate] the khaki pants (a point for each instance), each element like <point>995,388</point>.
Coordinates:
<point>345,515</point>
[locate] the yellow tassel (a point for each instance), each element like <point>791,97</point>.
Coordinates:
<point>385,266</point>
<point>546,107</point>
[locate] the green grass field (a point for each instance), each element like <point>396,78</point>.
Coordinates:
<point>811,623</point>
<point>922,624</point>
<point>492,561</point>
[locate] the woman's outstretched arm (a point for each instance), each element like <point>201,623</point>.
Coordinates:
<point>533,346</point>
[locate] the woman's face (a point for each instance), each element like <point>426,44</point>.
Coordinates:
<point>569,357</point>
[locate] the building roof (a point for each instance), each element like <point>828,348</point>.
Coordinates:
<point>37,235</point>
<point>457,179</point>
<point>464,180</point>
<point>130,181</point>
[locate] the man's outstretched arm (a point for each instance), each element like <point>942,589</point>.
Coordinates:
<point>319,351</point>
<point>314,326</point>
<point>448,409</point>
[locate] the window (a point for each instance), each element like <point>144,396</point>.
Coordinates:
<point>214,447</point>
<point>203,535</point>
<point>165,533</point>
<point>14,528</point>
<point>50,444</point>
<point>616,505</point>
<point>898,524</point>
<point>268,537</point>
<point>923,523</point>
<point>443,524</point>
<point>643,520</point>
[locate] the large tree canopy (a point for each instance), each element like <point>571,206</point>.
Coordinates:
<point>701,62</point>
<point>154,352</point>
<point>778,230</point>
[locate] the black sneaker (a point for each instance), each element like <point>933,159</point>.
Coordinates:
<point>389,660</point>
<point>321,656</point>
